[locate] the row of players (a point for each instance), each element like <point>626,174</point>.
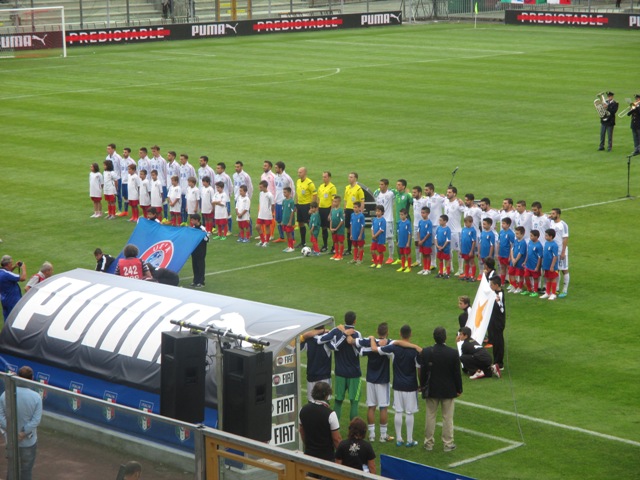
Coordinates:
<point>303,192</point>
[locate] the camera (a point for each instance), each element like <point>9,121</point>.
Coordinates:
<point>19,264</point>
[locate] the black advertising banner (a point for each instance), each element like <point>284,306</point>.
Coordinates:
<point>573,19</point>
<point>106,36</point>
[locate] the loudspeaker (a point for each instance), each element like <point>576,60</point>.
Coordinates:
<point>182,374</point>
<point>247,393</point>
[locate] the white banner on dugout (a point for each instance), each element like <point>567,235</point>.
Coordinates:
<point>480,314</point>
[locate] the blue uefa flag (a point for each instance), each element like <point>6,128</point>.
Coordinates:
<point>163,246</point>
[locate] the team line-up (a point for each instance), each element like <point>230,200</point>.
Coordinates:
<point>528,244</point>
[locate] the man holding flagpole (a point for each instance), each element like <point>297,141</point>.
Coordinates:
<point>497,324</point>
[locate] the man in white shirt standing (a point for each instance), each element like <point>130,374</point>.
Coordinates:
<point>125,161</point>
<point>435,202</point>
<point>454,208</point>
<point>222,176</point>
<point>185,170</point>
<point>116,159</point>
<point>281,180</point>
<point>157,162</point>
<point>385,198</point>
<point>561,239</point>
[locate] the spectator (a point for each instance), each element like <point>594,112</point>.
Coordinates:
<point>46,270</point>
<point>319,426</point>
<point>103,260</point>
<point>28,415</point>
<point>356,452</point>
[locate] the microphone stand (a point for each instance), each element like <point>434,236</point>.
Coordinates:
<point>453,174</point>
<point>629,175</point>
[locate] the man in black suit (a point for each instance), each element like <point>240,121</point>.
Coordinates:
<point>608,122</point>
<point>441,383</point>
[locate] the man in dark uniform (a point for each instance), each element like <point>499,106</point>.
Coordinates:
<point>497,323</point>
<point>608,122</point>
<point>199,255</point>
<point>635,125</point>
<point>441,383</point>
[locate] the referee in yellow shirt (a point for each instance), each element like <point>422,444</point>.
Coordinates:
<point>352,193</point>
<point>326,192</point>
<point>305,194</point>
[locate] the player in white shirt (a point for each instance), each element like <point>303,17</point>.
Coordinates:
<point>266,213</point>
<point>204,171</point>
<point>418,202</point>
<point>522,218</point>
<point>133,192</point>
<point>473,211</point>
<point>435,202</point>
<point>174,197</point>
<point>385,198</point>
<point>561,239</point>
<point>185,171</point>
<point>222,176</point>
<point>160,164</point>
<point>155,188</point>
<point>282,180</point>
<point>240,177</point>
<point>243,206</point>
<point>110,189</point>
<point>192,196</point>
<point>206,202</point>
<point>173,167</point>
<point>143,161</point>
<point>508,211</point>
<point>454,209</point>
<point>95,190</point>
<point>145,192</point>
<point>116,160</point>
<point>220,200</point>
<point>269,177</point>
<point>125,162</point>
<point>539,221</point>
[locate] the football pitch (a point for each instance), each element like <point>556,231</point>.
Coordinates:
<point>510,106</point>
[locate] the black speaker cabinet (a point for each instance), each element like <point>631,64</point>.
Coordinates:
<point>182,373</point>
<point>247,393</point>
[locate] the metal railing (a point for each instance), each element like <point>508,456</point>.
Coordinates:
<point>212,454</point>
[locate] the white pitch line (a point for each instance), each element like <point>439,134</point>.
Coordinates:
<point>180,53</point>
<point>414,47</point>
<point>247,267</point>
<point>485,455</point>
<point>551,423</point>
<point>599,203</point>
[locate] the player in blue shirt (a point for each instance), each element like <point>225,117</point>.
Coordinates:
<point>505,241</point>
<point>532,264</point>
<point>486,243</point>
<point>425,242</point>
<point>378,237</point>
<point>550,264</point>
<point>357,233</point>
<point>468,249</point>
<point>405,382</point>
<point>443,245</point>
<point>516,262</point>
<point>405,231</point>
<point>347,362</point>
<point>378,382</point>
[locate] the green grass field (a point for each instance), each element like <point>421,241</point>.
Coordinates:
<point>511,106</point>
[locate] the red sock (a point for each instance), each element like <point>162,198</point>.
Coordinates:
<point>440,267</point>
<point>527,282</point>
<point>408,261</point>
<point>503,278</point>
<point>448,269</point>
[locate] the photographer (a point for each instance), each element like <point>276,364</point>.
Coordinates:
<point>10,292</point>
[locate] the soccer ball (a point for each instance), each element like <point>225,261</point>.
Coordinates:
<point>306,251</point>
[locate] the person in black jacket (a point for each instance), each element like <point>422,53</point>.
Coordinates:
<point>634,113</point>
<point>497,323</point>
<point>199,255</point>
<point>441,383</point>
<point>608,122</point>
<point>476,360</point>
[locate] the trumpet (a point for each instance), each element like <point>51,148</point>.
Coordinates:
<point>601,104</point>
<point>632,106</point>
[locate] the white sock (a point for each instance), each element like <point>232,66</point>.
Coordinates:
<point>372,429</point>
<point>565,282</point>
<point>383,430</point>
<point>397,421</point>
<point>409,421</point>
